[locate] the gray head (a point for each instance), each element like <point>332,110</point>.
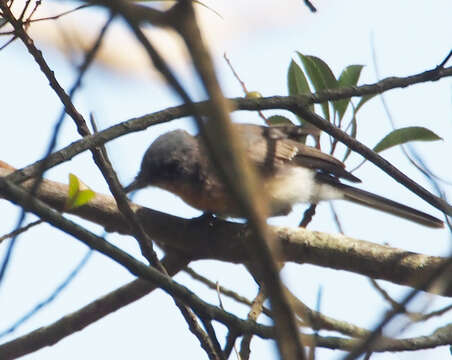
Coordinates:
<point>173,156</point>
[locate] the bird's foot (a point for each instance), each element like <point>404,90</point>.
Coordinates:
<point>205,218</point>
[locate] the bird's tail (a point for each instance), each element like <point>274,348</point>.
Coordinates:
<point>378,202</point>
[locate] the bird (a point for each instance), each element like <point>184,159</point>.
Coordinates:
<point>291,173</point>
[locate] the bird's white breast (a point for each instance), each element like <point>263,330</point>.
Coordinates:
<point>298,185</point>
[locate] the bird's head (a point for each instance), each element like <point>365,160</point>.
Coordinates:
<point>172,157</point>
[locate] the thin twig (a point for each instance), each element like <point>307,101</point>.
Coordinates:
<point>446,59</point>
<point>317,320</point>
<point>227,292</point>
<point>232,335</point>
<point>230,344</point>
<point>19,231</point>
<point>242,84</point>
<point>394,304</point>
<point>56,17</point>
<point>253,314</point>
<point>24,9</point>
<point>423,317</point>
<point>207,322</point>
<point>372,338</point>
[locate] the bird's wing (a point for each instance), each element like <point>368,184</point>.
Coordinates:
<point>315,159</point>
<point>270,148</point>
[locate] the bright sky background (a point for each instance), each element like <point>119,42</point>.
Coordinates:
<point>260,38</point>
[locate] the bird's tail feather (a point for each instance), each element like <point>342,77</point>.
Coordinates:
<point>378,202</point>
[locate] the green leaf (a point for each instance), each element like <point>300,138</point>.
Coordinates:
<point>76,196</point>
<point>321,77</point>
<point>276,120</point>
<point>319,72</point>
<point>404,135</point>
<point>363,100</point>
<point>297,84</point>
<point>296,80</point>
<point>349,77</point>
<point>83,197</point>
<point>74,186</point>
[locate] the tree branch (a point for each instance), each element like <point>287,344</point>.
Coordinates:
<point>224,240</point>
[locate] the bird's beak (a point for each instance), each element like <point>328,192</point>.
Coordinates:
<point>136,184</point>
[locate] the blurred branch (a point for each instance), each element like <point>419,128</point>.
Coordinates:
<point>51,297</point>
<point>218,135</point>
<point>230,158</point>
<point>216,351</point>
<point>134,12</point>
<point>20,231</point>
<point>102,161</point>
<point>310,6</point>
<point>78,320</point>
<point>446,59</point>
<point>308,215</point>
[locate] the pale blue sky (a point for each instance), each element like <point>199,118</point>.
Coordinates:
<point>409,37</point>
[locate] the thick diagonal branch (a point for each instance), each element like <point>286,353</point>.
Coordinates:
<point>224,240</point>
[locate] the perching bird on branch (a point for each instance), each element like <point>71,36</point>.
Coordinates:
<point>291,172</point>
